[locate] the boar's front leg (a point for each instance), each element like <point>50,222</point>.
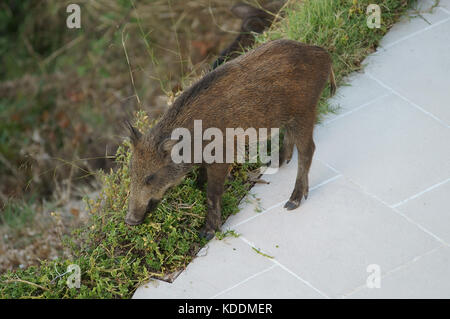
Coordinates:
<point>202,177</point>
<point>216,174</point>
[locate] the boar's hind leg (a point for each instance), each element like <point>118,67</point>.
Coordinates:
<point>287,148</point>
<point>216,175</point>
<point>305,148</point>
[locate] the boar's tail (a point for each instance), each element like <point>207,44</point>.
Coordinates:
<point>332,82</point>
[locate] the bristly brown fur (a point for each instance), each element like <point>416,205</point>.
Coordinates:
<point>276,85</point>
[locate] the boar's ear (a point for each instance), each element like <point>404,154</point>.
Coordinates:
<point>242,10</point>
<point>165,147</point>
<point>135,135</point>
<point>254,24</point>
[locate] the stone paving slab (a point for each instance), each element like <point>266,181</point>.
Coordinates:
<point>389,147</point>
<point>425,277</point>
<point>431,209</point>
<point>282,285</point>
<point>417,70</point>
<point>411,23</point>
<point>379,195</point>
<point>334,235</point>
<point>360,90</point>
<point>275,194</point>
<point>445,4</point>
<point>210,274</point>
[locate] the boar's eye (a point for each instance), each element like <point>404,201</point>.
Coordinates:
<point>149,179</point>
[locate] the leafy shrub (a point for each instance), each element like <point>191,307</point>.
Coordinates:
<point>114,257</point>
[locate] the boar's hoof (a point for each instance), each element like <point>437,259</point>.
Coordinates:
<point>292,204</point>
<point>207,234</point>
<point>132,222</point>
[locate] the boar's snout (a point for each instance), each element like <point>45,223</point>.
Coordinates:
<point>136,216</point>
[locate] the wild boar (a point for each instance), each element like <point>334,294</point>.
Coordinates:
<point>254,20</point>
<point>276,85</point>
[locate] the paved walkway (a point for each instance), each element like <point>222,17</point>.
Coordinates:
<point>379,195</point>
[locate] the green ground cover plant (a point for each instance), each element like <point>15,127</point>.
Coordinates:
<point>115,258</point>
